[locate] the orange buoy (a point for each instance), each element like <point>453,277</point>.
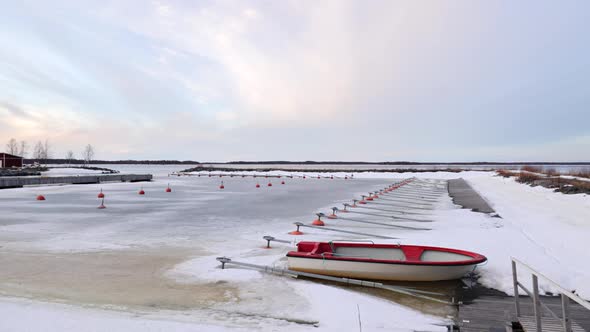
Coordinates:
<point>102,206</point>
<point>333,215</point>
<point>40,198</point>
<point>100,194</point>
<point>296,232</point>
<point>318,221</point>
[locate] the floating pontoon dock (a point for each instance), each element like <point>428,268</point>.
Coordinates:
<point>20,181</point>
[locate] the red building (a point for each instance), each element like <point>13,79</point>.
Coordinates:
<point>8,160</point>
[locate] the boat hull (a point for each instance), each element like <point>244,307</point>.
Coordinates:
<point>379,271</point>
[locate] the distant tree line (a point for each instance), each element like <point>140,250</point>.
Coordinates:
<point>309,162</point>
<point>55,161</point>
<point>42,153</point>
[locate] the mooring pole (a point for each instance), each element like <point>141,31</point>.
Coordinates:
<point>515,283</point>
<point>565,310</point>
<point>537,303</point>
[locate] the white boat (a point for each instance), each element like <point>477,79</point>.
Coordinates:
<point>383,261</point>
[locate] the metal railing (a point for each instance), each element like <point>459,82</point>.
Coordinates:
<point>538,306</point>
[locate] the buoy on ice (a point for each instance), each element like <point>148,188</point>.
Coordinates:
<point>102,206</point>
<point>40,198</point>
<point>283,182</point>
<point>221,186</point>
<point>269,184</point>
<point>100,194</point>
<point>168,189</point>
<point>333,215</point>
<point>141,192</point>
<point>296,232</point>
<point>258,185</point>
<point>318,221</point>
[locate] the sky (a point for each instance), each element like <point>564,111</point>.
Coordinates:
<point>299,80</point>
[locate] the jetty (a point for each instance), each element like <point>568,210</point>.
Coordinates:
<point>565,312</point>
<point>21,181</point>
<point>463,194</point>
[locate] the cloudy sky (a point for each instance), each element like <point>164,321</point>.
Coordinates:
<point>299,80</point>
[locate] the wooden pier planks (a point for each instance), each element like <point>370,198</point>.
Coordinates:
<point>495,313</point>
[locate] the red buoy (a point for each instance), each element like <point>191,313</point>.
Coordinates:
<point>100,194</point>
<point>141,192</point>
<point>221,186</point>
<point>304,176</point>
<point>258,185</point>
<point>270,184</point>
<point>318,221</point>
<point>40,198</point>
<point>282,182</point>
<point>332,177</point>
<point>168,189</point>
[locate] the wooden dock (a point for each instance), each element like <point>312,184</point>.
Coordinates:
<point>21,181</point>
<point>497,313</point>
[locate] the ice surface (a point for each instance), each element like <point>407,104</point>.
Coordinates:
<point>165,244</point>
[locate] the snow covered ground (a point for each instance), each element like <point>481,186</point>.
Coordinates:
<point>67,171</point>
<point>147,263</point>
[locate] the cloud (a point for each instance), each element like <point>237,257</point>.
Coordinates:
<point>14,110</point>
<point>333,79</point>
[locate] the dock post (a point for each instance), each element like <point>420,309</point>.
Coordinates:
<point>537,303</point>
<point>565,307</point>
<point>515,283</point>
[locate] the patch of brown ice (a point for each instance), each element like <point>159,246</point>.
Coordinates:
<point>118,279</point>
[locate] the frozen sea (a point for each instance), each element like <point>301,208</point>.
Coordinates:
<point>147,263</point>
